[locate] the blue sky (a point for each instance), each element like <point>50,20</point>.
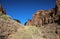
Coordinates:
<point>24,9</point>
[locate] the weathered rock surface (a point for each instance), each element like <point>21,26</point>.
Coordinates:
<point>42,17</point>
<point>29,22</point>
<point>48,21</point>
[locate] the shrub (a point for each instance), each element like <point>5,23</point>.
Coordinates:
<point>5,17</point>
<point>0,14</point>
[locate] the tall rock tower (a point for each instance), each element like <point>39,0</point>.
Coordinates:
<point>57,9</point>
<point>58,4</point>
<point>2,10</point>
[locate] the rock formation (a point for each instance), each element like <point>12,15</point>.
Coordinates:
<point>58,11</point>
<point>48,21</point>
<point>2,10</point>
<point>42,17</point>
<point>29,22</point>
<point>58,5</point>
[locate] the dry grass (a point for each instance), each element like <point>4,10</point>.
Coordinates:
<point>32,32</point>
<point>29,32</point>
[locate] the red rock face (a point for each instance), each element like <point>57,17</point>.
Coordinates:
<point>2,10</point>
<point>42,17</point>
<point>38,18</point>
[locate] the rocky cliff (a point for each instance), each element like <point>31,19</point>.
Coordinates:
<point>48,21</point>
<point>42,17</point>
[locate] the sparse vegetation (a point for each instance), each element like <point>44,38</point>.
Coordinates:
<point>6,17</point>
<point>29,32</point>
<point>0,14</point>
<point>32,32</point>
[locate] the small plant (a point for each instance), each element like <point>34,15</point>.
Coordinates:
<point>5,17</point>
<point>0,14</point>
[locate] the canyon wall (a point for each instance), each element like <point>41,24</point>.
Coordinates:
<point>42,17</point>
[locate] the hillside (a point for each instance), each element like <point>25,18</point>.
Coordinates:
<point>7,25</point>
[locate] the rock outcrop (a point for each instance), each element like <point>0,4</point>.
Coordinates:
<point>29,22</point>
<point>48,21</point>
<point>2,10</point>
<point>58,5</point>
<point>58,11</point>
<point>42,17</point>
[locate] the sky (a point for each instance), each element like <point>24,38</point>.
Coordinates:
<point>24,9</point>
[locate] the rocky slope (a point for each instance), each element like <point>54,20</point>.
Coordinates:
<point>7,25</point>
